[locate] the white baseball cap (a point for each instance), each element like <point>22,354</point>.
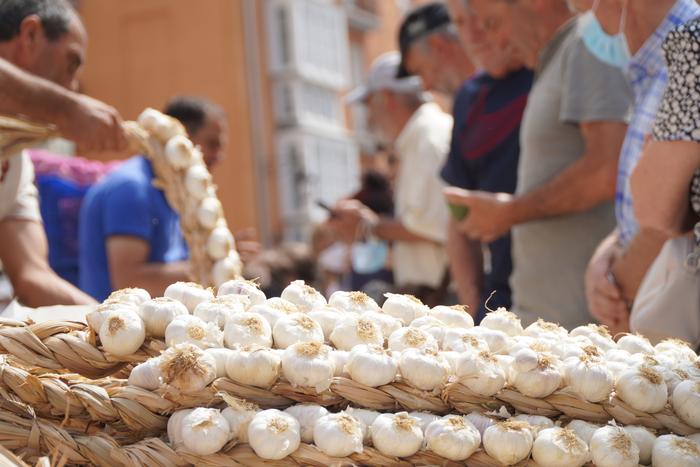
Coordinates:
<point>382,75</point>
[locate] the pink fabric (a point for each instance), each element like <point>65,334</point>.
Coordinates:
<point>76,169</point>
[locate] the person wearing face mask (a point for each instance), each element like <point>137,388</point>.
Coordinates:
<point>629,35</point>
<point>403,118</point>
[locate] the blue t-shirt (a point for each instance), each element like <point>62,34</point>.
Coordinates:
<point>125,202</point>
<point>484,156</point>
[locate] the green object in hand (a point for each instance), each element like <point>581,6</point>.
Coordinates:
<point>458,211</point>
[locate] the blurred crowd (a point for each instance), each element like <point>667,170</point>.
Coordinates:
<point>560,182</point>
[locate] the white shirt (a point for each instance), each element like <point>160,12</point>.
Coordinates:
<point>422,148</point>
<point>18,195</point>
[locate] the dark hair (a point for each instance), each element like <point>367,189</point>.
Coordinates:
<point>192,112</point>
<point>55,16</point>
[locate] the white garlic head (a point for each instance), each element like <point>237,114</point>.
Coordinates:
<point>254,366</point>
<point>480,421</point>
<point>146,375</point>
<point>220,242</point>
<point>366,418</point>
<point>404,307</point>
<point>675,451</point>
<point>328,317</point>
<point>541,381</point>
<point>589,377</point>
<point>597,334</point>
<point>307,415</point>
<point>583,429</point>
<point>178,151</point>
<point>642,388</point>
<point>295,328</point>
<point>423,368</point>
<point>210,212</point>
<point>189,294</point>
<point>536,422</point>
<point>432,326</point>
<point>635,343</point>
<point>546,330</point>
<point>243,287</point>
<point>220,356</point>
<point>228,268</point>
<point>456,316</point>
<point>686,402</point>
<point>387,323</point>
<point>677,349</point>
<point>132,295</point>
<point>504,321</point>
<point>461,340</point>
<point>338,435</point>
<point>371,365</point>
<point>192,330</point>
<point>160,125</point>
<point>340,359</point>
<point>644,438</point>
<point>273,309</point>
<point>122,332</point>
<point>205,431</point>
<point>197,181</point>
<point>508,442</point>
<point>480,372</point>
<point>247,328</point>
<point>96,317</point>
<point>308,364</point>
<point>356,330</point>
<point>305,297</point>
<point>453,437</point>
<point>411,338</point>
<point>187,368</point>
<point>219,310</point>
<point>353,302</point>
<point>174,427</point>
<point>396,434</point>
<point>157,313</point>
<point>496,340</point>
<point>273,434</point>
<point>239,414</point>
<point>556,447</point>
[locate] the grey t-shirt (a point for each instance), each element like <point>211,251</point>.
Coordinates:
<point>550,255</point>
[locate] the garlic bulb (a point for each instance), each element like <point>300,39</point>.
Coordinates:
<point>219,310</point>
<point>396,434</point>
<point>598,335</point>
<point>146,375</point>
<point>583,429</point>
<point>132,295</point>
<point>160,125</point>
<point>238,414</point>
<point>174,427</point>
<point>460,340</point>
<point>644,439</point>
<point>96,317</point>
<point>308,364</point>
<point>328,317</point>
<point>525,359</point>
<point>678,349</point>
<point>686,402</point>
<point>536,422</point>
<point>227,268</point>
<point>246,328</point>
<point>178,150</point>
<point>496,340</point>
<point>424,419</point>
<point>187,368</point>
<point>612,446</point>
<point>353,302</point>
<point>305,297</point>
<point>356,330</point>
<point>210,212</point>
<point>675,451</point>
<point>404,307</point>
<point>673,377</point>
<point>480,421</point>
<point>197,181</point>
<point>411,338</point>
<point>220,242</point>
<point>541,381</point>
<point>423,368</point>
<point>243,287</point>
<point>432,326</point>
<point>189,294</point>
<point>504,321</point>
<point>273,434</point>
<point>274,309</point>
<point>635,343</point>
<point>589,377</point>
<point>453,437</point>
<point>371,365</point>
<point>366,419</point>
<point>643,389</point>
<point>387,324</point>
<point>255,366</point>
<point>205,431</point>
<point>338,435</point>
<point>481,373</point>
<point>545,330</point>
<point>453,316</point>
<point>307,415</point>
<point>556,447</point>
<point>220,356</point>
<point>340,359</point>
<point>122,332</point>
<point>295,328</point>
<point>508,442</point>
<point>192,330</point>
<point>158,313</point>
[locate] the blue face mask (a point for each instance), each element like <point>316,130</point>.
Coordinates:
<point>612,50</point>
<point>369,256</point>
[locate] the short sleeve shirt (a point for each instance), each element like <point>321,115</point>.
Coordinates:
<point>19,198</point>
<point>125,202</point>
<point>550,255</point>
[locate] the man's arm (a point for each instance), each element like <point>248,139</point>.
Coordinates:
<point>93,125</point>
<point>129,267</point>
<point>466,267</point>
<point>393,230</point>
<point>24,253</point>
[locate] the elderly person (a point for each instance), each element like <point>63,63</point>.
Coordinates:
<point>571,135</point>
<point>42,49</point>
<point>616,270</point>
<point>418,131</point>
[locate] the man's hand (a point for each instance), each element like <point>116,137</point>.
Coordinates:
<point>93,125</point>
<point>605,300</point>
<point>350,214</point>
<point>491,215</point>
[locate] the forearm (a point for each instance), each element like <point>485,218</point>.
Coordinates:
<point>394,231</point>
<point>44,288</point>
<point>466,267</point>
<point>154,277</point>
<point>633,263</point>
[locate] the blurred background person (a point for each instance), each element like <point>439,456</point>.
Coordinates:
<point>402,118</point>
<point>572,132</point>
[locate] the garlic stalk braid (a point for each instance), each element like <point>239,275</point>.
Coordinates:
<point>126,408</point>
<point>17,134</point>
<point>58,345</point>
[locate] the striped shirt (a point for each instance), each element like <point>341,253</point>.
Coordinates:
<point>648,77</point>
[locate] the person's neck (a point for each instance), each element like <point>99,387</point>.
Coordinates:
<point>643,18</point>
<point>550,23</point>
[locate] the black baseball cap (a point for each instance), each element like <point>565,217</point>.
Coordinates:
<point>419,23</point>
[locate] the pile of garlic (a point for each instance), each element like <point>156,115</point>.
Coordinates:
<point>180,166</point>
